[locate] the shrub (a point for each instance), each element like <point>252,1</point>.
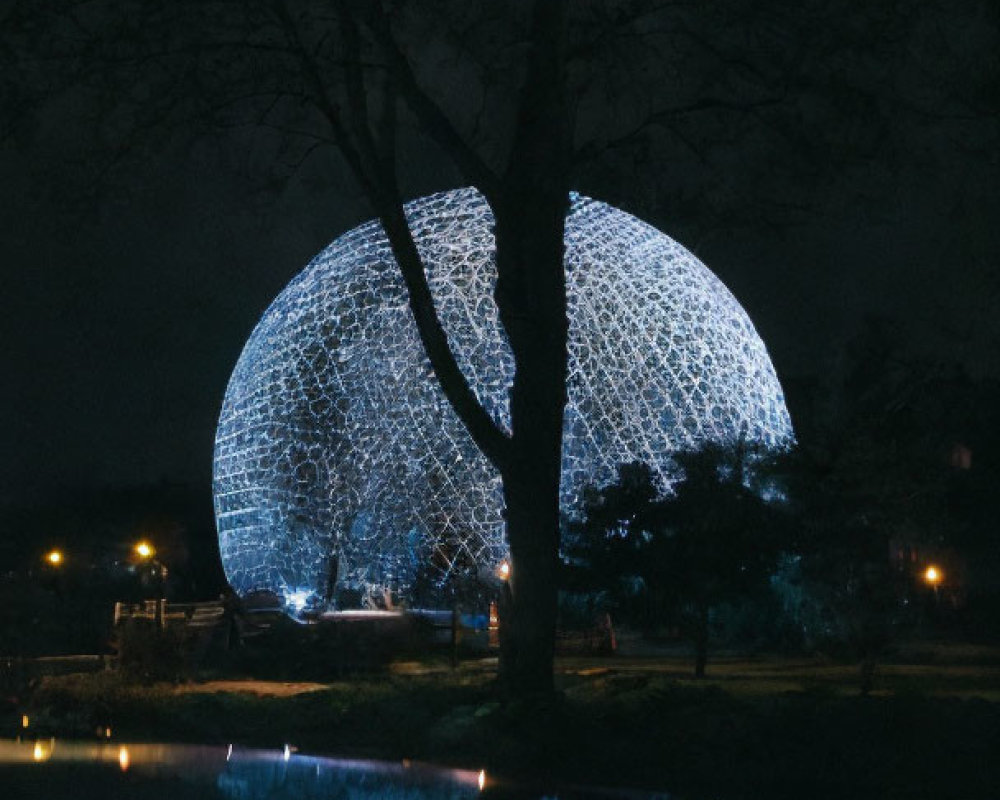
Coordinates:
<point>147,653</point>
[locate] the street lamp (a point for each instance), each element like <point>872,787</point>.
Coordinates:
<point>145,550</point>
<point>54,572</point>
<point>147,555</point>
<point>933,577</point>
<point>500,607</point>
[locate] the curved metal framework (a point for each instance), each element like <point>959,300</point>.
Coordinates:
<point>338,461</point>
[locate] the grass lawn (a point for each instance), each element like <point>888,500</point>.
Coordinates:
<point>774,728</point>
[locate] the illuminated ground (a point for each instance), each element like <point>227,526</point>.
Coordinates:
<point>736,676</point>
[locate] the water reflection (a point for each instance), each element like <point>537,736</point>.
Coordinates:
<point>42,751</point>
<point>225,773</point>
<point>54,770</point>
<point>262,778</point>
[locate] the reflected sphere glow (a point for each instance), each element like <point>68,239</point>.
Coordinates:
<point>339,461</point>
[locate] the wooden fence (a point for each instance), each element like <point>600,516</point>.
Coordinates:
<point>192,615</point>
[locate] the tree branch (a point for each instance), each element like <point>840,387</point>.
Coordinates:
<point>351,154</point>
<point>489,438</point>
<point>662,117</point>
<point>357,96</point>
<point>380,187</point>
<point>430,115</point>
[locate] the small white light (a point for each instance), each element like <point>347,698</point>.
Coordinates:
<point>297,598</point>
<point>288,752</point>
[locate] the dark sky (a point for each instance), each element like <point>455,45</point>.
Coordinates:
<point>127,297</point>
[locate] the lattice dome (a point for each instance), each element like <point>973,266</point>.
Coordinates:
<point>336,444</point>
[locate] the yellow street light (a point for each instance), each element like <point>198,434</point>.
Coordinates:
<point>145,550</point>
<point>933,575</point>
<point>54,558</point>
<point>503,571</point>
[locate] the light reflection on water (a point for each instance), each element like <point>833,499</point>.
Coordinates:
<point>51,769</point>
<point>231,773</point>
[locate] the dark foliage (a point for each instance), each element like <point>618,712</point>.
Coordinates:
<point>320,652</point>
<point>148,654</point>
<point>713,541</point>
<point>18,682</point>
<point>883,484</point>
<point>51,612</point>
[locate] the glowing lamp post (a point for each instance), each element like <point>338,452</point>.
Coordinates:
<point>503,573</point>
<point>933,577</point>
<point>146,554</point>
<point>53,570</point>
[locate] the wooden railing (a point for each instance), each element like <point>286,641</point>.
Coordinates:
<point>194,615</point>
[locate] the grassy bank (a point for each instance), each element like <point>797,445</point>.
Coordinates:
<point>775,729</point>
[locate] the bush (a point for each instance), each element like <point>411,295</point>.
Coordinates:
<point>18,682</point>
<point>147,653</point>
<point>323,651</point>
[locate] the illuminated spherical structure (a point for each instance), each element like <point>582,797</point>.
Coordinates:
<point>338,459</point>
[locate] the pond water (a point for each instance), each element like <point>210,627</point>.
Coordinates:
<point>61,769</point>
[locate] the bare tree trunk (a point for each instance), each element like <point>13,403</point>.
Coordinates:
<point>535,319</point>
<point>531,300</point>
<point>528,623</point>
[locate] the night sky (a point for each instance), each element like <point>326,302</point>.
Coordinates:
<point>128,293</point>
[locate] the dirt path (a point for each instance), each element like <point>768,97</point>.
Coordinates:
<point>259,688</point>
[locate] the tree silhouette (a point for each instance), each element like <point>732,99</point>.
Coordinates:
<point>712,540</point>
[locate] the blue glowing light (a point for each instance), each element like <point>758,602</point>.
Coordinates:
<point>338,459</point>
<point>297,599</point>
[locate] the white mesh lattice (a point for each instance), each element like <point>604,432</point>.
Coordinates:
<point>335,437</point>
